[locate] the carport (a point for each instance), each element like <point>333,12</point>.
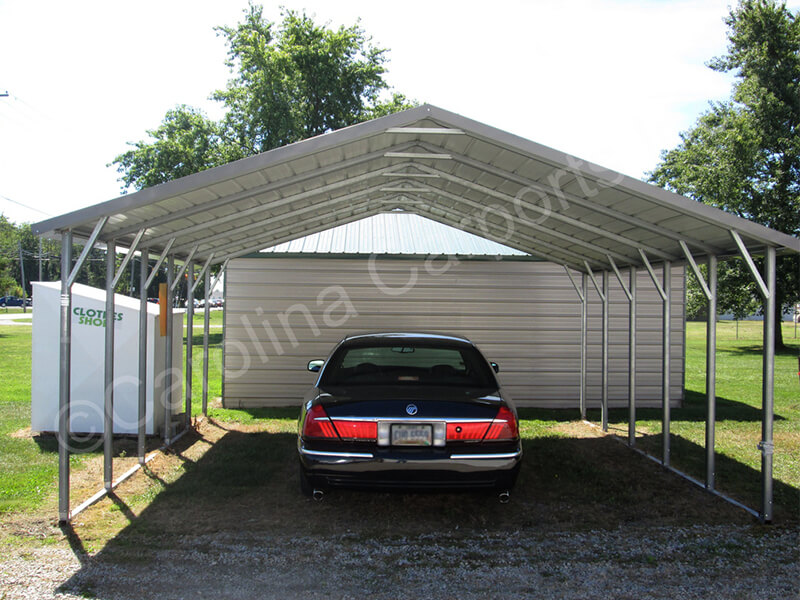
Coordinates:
<point>595,223</point>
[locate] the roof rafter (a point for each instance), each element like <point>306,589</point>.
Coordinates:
<point>582,202</point>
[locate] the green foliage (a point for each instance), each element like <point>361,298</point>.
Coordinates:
<point>736,292</point>
<point>291,80</point>
<point>186,142</point>
<point>743,156</point>
<point>14,236</point>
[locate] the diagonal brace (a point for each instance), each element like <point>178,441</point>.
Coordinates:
<point>594,282</point>
<point>700,279</point>
<point>751,265</point>
<point>619,278</point>
<point>128,257</point>
<point>653,275</point>
<point>574,284</point>
<point>159,262</point>
<point>86,249</point>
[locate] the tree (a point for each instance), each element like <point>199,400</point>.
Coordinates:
<point>292,80</point>
<point>186,142</point>
<point>8,285</point>
<point>743,155</point>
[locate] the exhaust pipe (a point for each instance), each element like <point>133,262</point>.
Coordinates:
<point>504,497</point>
<point>318,495</point>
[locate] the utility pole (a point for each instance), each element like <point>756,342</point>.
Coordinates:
<point>22,271</point>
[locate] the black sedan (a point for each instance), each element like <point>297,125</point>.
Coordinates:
<point>13,301</point>
<point>407,410</point>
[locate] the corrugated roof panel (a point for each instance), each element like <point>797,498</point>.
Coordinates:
<point>394,233</point>
<point>331,179</point>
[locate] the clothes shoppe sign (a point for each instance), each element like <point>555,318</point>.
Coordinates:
<point>92,316</point>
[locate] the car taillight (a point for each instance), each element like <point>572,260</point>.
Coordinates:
<point>356,430</point>
<point>467,431</point>
<point>504,426</point>
<point>318,424</point>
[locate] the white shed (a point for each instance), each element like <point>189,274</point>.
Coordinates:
<point>86,381</point>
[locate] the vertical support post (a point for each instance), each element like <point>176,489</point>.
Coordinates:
<point>144,265</point>
<point>768,386</point>
<point>189,341</point>
<point>632,359</point>
<point>666,339</point>
<point>604,398</point>
<point>584,341</point>
<point>65,347</point>
<point>206,326</point>
<point>108,405</point>
<point>22,273</point>
<point>711,373</point>
<point>40,258</point>
<point>168,358</point>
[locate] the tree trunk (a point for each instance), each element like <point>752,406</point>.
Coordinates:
<point>779,345</point>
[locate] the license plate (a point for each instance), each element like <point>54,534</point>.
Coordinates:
<point>412,435</point>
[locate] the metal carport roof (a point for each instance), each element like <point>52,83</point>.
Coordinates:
<point>451,169</point>
<point>431,162</point>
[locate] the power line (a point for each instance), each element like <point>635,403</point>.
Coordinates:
<point>25,206</point>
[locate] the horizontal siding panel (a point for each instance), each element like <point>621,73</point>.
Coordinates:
<point>282,312</point>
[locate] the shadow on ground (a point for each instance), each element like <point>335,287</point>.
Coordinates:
<point>245,488</point>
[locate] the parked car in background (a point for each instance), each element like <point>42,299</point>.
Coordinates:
<point>407,410</point>
<point>14,301</point>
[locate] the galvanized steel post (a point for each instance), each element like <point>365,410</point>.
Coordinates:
<point>189,341</point>
<point>768,386</point>
<point>711,372</point>
<point>143,314</point>
<point>168,376</point>
<point>666,339</point>
<point>65,332</point>
<point>632,359</point>
<point>584,340</point>
<point>108,405</point>
<point>604,398</point>
<point>206,324</point>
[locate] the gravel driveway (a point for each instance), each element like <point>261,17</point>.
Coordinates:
<point>745,562</point>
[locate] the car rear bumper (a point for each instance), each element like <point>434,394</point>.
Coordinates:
<point>392,469</point>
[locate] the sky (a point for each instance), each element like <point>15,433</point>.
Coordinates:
<point>610,81</point>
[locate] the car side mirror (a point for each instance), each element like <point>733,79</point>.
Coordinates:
<point>495,366</point>
<point>315,365</point>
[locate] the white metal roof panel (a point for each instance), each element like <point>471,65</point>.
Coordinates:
<point>394,233</point>
<point>457,172</point>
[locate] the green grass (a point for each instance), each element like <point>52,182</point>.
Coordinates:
<point>28,468</point>
<point>214,320</point>
<point>738,423</point>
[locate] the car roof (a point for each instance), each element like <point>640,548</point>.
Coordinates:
<point>406,337</point>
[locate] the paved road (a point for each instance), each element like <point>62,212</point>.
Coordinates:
<point>15,318</point>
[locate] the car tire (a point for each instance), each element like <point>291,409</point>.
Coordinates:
<point>305,485</point>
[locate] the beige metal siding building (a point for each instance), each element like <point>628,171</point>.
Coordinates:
<point>284,310</point>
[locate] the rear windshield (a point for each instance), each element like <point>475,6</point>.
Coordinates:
<point>408,365</point>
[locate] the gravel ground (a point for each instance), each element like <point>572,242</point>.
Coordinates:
<point>720,561</point>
